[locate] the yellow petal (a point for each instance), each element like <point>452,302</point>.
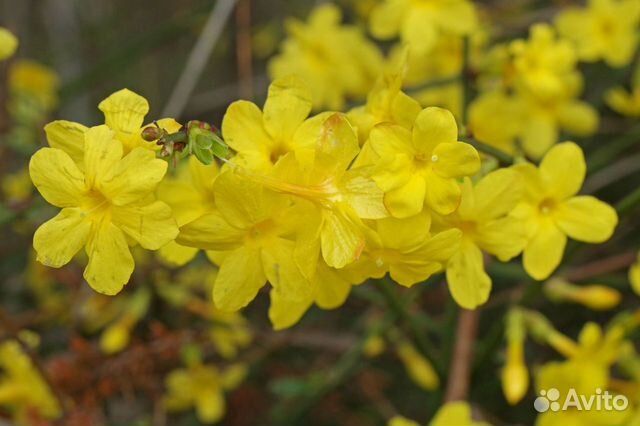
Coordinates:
<point>210,404</point>
<point>578,118</point>
<point>288,104</point>
<point>135,177</point>
<point>497,193</point>
<point>337,146</point>
<point>285,312</point>
<point>433,126</point>
<point>563,170</point>
<point>454,413</point>
<point>455,159</point>
<point>587,219</point>
<point>418,30</point>
<point>69,137</point>
<point>401,421</point>
<point>243,128</point>
<point>59,239</point>
<point>388,140</point>
<point>124,111</point>
<point>544,251</point>
<point>341,238</point>
<point>386,18</point>
<point>404,110</point>
<point>362,193</point>
<point>458,17</point>
<point>57,177</point>
<point>331,288</point>
<point>505,238</point>
<point>101,154</point>
<point>538,135</point>
<point>282,271</point>
<point>413,270</point>
<point>110,261</point>
<point>239,279</point>
<point>443,194</point>
<point>441,246</point>
<point>407,234</point>
<point>174,254</point>
<point>8,43</point>
<point>210,232</point>
<point>393,172</point>
<point>469,284</point>
<point>152,226</point>
<point>634,276</point>
<point>407,200</point>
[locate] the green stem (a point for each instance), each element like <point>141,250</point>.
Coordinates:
<point>504,158</point>
<point>398,307</point>
<point>629,202</point>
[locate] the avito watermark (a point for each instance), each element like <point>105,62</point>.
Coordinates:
<point>599,401</point>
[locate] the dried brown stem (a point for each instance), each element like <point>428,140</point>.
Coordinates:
<point>460,371</point>
<point>603,266</point>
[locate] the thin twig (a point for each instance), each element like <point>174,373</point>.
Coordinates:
<point>460,371</point>
<point>601,267</point>
<point>613,173</point>
<point>198,58</point>
<point>244,49</point>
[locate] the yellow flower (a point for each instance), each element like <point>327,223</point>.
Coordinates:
<point>386,103</point>
<point>422,166</point>
<point>455,413</point>
<point>450,414</point>
<point>17,187</point>
<point>22,388</point>
<point>254,227</point>
<point>202,386</point>
<point>401,421</point>
<point>626,102</point>
<point>29,78</point>
<point>604,29</point>
<point>634,276</point>
<point>106,207</point>
<point>593,296</point>
<point>497,118</point>
<point>124,112</point>
<point>485,225</point>
<point>261,138</point>
<point>336,61</point>
<point>8,43</point>
<point>419,22</point>
<point>406,249</point>
<point>514,375</point>
<point>551,211</point>
<point>190,195</point>
<point>418,367</point>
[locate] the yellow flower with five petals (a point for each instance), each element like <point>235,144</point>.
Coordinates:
<point>106,207</point>
<point>552,210</point>
<point>422,166</point>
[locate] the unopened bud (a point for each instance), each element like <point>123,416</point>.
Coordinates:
<point>515,376</point>
<point>151,133</point>
<point>594,296</point>
<point>418,367</point>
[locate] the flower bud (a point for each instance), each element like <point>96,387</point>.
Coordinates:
<point>151,133</point>
<point>515,376</point>
<point>594,296</point>
<point>418,367</point>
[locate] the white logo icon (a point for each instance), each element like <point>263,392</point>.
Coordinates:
<point>548,399</point>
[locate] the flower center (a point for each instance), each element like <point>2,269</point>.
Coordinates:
<point>260,232</point>
<point>95,204</point>
<point>546,206</point>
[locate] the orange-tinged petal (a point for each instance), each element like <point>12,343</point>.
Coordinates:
<point>455,159</point>
<point>239,279</point>
<point>563,170</point>
<point>585,218</point>
<point>59,239</point>
<point>468,283</point>
<point>433,126</point>
<point>110,261</point>
<point>544,251</point>
<point>57,177</point>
